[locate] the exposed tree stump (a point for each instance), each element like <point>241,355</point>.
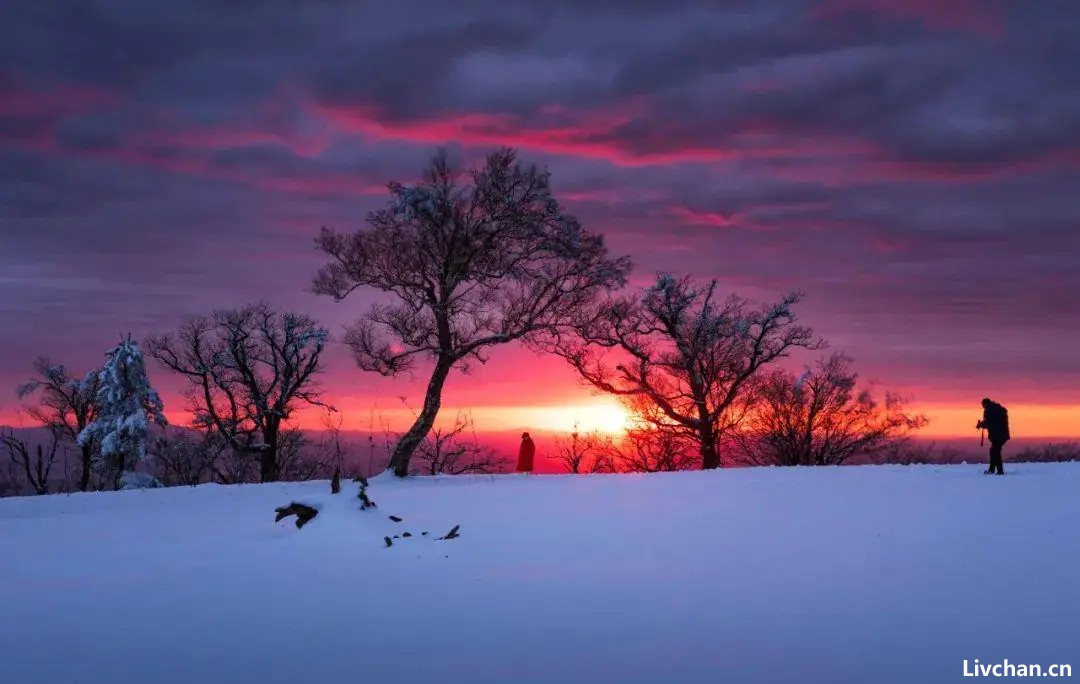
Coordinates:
<point>335,483</point>
<point>303,513</point>
<point>452,534</point>
<point>365,501</point>
<point>389,541</point>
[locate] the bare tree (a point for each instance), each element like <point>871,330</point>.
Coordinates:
<point>332,444</point>
<point>469,267</point>
<point>36,463</point>
<point>445,450</point>
<point>9,480</point>
<point>66,405</point>
<point>248,370</point>
<point>300,461</point>
<point>1050,453</point>
<point>234,466</point>
<point>820,418</point>
<point>908,452</point>
<point>684,359</point>
<point>585,453</point>
<point>648,449</point>
<point>376,461</point>
<point>187,457</point>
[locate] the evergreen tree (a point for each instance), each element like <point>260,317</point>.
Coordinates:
<point>126,407</point>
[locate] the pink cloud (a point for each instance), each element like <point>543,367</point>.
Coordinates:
<point>189,152</point>
<point>224,137</point>
<point>703,218</point>
<point>977,16</point>
<point>589,136</point>
<point>46,107</point>
<point>58,101</point>
<point>334,185</point>
<point>880,168</point>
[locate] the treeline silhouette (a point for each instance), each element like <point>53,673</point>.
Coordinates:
<point>466,262</point>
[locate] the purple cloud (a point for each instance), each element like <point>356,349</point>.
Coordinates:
<point>911,168</point>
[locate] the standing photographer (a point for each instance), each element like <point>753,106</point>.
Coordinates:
<point>996,423</point>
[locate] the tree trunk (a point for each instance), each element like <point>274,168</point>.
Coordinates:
<point>268,457</point>
<point>87,459</point>
<point>268,465</point>
<point>710,455</point>
<point>118,469</point>
<point>424,422</point>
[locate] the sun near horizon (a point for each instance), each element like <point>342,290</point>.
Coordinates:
<point>608,415</point>
<point>590,413</point>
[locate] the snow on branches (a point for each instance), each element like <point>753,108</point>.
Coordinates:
<point>126,407</point>
<point>470,261</point>
<point>684,355</point>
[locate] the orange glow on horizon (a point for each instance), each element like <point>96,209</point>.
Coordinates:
<point>1025,420</point>
<point>1060,421</point>
<point>606,414</point>
<point>600,416</point>
<point>595,414</point>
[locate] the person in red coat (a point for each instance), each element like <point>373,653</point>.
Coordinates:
<point>526,454</point>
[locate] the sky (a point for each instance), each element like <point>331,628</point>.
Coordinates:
<point>911,167</point>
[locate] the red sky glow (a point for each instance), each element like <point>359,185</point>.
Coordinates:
<point>911,167</point>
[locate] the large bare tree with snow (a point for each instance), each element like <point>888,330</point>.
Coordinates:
<point>468,264</point>
<point>248,370</point>
<point>683,356</point>
<point>65,405</point>
<point>821,417</point>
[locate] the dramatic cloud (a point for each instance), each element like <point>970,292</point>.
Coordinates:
<point>911,166</point>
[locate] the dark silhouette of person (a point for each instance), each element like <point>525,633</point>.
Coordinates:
<point>995,421</point>
<point>526,454</point>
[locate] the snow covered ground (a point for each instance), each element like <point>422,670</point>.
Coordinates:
<point>859,574</point>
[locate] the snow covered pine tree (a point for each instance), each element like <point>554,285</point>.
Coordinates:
<point>126,406</point>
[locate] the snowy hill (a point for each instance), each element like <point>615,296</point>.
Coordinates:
<point>862,574</point>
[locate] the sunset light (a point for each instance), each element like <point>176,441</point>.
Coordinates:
<point>947,421</point>
<point>1036,421</point>
<point>607,417</point>
<point>539,341</point>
